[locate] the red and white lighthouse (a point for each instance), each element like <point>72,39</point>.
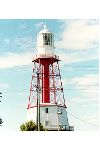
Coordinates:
<point>46,104</point>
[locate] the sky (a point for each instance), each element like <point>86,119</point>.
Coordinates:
<point>76,43</point>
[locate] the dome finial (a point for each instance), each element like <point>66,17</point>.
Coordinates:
<point>45,26</point>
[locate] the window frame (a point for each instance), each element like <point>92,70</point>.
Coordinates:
<point>46,110</point>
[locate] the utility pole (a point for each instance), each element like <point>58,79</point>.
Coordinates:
<point>59,113</point>
<point>38,98</point>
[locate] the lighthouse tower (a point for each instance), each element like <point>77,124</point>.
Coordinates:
<point>46,104</point>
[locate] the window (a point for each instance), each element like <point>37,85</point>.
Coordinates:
<point>46,123</point>
<point>47,39</point>
<point>46,110</point>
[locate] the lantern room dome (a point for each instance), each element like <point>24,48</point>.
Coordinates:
<point>45,30</point>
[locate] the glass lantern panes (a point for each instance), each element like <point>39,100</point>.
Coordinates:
<point>47,39</point>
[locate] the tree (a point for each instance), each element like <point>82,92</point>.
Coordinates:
<point>30,126</point>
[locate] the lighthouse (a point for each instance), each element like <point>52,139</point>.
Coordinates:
<point>46,103</point>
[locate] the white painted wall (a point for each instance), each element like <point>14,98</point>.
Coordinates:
<point>51,116</point>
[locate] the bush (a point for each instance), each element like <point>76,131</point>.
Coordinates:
<point>30,126</point>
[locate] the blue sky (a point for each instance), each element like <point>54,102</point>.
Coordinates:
<point>76,43</point>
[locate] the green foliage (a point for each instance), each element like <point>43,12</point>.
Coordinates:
<point>30,126</point>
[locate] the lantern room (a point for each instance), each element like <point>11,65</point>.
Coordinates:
<point>45,43</point>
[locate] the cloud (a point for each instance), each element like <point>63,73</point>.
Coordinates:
<point>74,57</point>
<point>87,86</point>
<point>26,46</point>
<point>84,122</point>
<point>4,86</point>
<point>79,35</point>
<point>39,25</point>
<point>93,119</point>
<point>6,41</point>
<point>86,80</point>
<point>15,59</point>
<point>78,41</point>
<point>24,42</point>
<point>23,26</point>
